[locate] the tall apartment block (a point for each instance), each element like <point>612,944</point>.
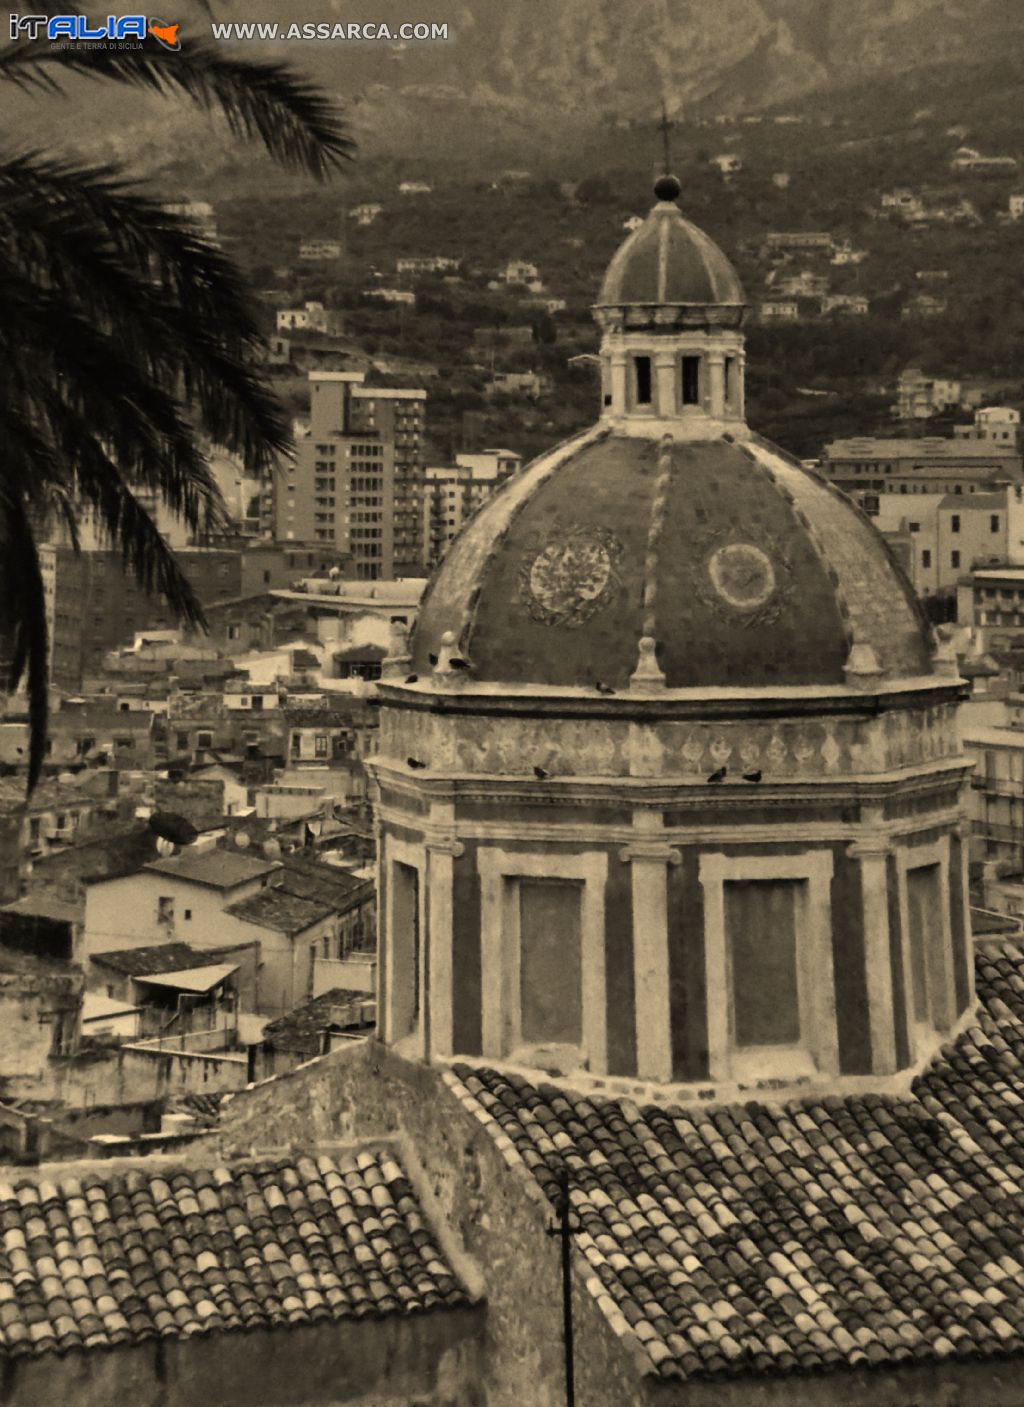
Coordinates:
<point>357,479</point>
<point>453,493</point>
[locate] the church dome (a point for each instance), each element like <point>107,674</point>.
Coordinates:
<point>669,261</point>
<point>668,546</point>
<point>743,567</point>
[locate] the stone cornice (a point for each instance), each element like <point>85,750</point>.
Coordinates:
<point>670,704</point>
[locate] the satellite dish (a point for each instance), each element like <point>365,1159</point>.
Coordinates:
<point>272,849</point>
<point>179,830</point>
<point>164,846</point>
<point>242,840</point>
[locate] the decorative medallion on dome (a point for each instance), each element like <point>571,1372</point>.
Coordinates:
<point>572,577</point>
<point>742,575</point>
<point>741,579</point>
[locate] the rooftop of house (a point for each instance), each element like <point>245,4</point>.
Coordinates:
<point>221,869</point>
<point>928,447</point>
<point>812,1235</point>
<point>145,962</point>
<point>985,923</point>
<point>280,910</point>
<point>123,1257</point>
<point>313,879</point>
<point>300,1030</point>
<point>345,712</point>
<point>976,502</point>
<point>46,905</point>
<point>50,793</point>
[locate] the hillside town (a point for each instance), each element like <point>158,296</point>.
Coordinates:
<point>511,866</point>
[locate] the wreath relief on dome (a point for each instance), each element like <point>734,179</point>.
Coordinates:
<point>572,576</point>
<point>742,578</point>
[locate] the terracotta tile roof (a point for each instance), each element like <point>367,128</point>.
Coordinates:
<point>170,1252</point>
<point>158,957</point>
<point>820,1234</point>
<point>221,869</point>
<point>315,879</point>
<point>281,911</point>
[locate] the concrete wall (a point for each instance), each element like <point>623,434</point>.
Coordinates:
<point>130,1075</point>
<point>39,1016</point>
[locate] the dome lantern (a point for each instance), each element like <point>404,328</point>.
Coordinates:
<point>671,309</point>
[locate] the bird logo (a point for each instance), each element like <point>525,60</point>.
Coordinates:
<point>166,34</point>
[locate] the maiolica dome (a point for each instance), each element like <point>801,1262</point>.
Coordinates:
<point>670,782</point>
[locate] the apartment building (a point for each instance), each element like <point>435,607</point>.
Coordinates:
<point>868,468</point>
<point>952,535</point>
<point>356,483</point>
<point>455,492</point>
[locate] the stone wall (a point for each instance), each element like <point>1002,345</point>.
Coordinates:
<point>421,1360</point>
<point>486,1214</point>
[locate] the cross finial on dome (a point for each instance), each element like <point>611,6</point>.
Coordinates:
<point>666,187</point>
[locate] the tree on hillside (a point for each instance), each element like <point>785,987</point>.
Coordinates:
<point>126,339</point>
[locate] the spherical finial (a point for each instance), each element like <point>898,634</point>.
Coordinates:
<point>667,187</point>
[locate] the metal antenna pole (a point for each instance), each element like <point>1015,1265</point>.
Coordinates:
<point>564,1231</point>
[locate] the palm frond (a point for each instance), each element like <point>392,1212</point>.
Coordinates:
<point>261,101</point>
<point>23,621</point>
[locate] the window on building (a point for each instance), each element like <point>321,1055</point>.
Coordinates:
<point>320,745</point>
<point>165,908</point>
<point>405,934</point>
<point>188,913</point>
<point>926,558</point>
<point>915,527</point>
<point>729,378</point>
<point>924,906</point>
<point>256,702</point>
<point>182,742</point>
<point>642,372</point>
<point>954,559</point>
<point>954,523</point>
<point>993,523</point>
<point>691,381</point>
<point>204,739</point>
